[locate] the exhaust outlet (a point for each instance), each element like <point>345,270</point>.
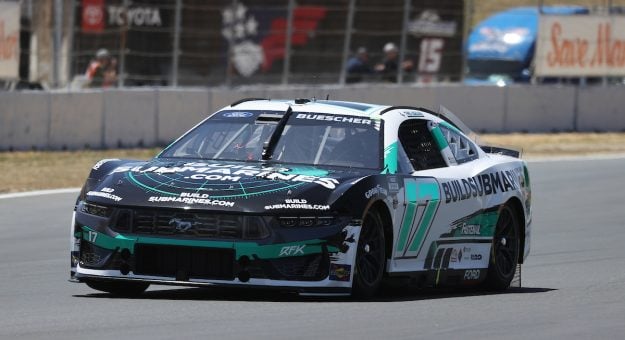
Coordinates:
<point>244,276</point>
<point>124,269</point>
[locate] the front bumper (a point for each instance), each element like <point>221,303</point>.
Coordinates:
<point>316,263</point>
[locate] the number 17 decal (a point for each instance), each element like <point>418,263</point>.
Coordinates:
<point>422,197</point>
<point>92,236</point>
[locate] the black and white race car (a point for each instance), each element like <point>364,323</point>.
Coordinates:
<point>315,196</point>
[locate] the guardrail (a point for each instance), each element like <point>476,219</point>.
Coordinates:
<point>156,116</point>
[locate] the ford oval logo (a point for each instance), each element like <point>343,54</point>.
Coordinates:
<point>237,114</point>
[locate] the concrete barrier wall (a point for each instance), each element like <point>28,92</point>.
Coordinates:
<point>601,109</point>
<point>76,120</point>
<point>481,108</point>
<point>130,118</point>
<point>156,116</point>
<point>178,111</point>
<point>26,120</point>
<point>540,109</point>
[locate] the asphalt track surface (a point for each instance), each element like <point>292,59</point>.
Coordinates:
<point>573,282</point>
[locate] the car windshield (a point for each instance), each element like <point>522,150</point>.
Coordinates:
<point>307,138</point>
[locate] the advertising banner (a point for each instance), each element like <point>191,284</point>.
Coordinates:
<point>580,46</point>
<point>9,39</point>
<point>92,16</point>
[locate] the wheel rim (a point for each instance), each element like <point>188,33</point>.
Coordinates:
<point>370,257</point>
<point>505,243</point>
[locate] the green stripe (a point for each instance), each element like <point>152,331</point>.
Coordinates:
<point>416,192</point>
<point>108,242</point>
<point>428,191</point>
<point>439,138</point>
<point>411,209</point>
<point>423,226</point>
<point>411,191</point>
<point>390,159</point>
<point>251,249</point>
<point>451,127</point>
<point>243,189</point>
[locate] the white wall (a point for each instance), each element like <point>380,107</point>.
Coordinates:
<point>156,116</point>
<point>25,119</point>
<point>76,120</point>
<point>540,109</point>
<point>601,109</point>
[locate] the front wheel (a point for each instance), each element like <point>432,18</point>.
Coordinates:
<point>370,257</point>
<point>504,254</point>
<point>120,288</point>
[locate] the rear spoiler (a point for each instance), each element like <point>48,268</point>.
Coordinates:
<point>501,151</point>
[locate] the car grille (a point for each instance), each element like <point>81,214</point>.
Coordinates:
<point>312,267</point>
<point>301,268</point>
<point>190,224</point>
<point>184,263</point>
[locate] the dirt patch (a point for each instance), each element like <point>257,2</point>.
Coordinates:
<point>561,144</point>
<point>36,170</point>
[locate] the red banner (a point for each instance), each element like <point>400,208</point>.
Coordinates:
<point>92,16</point>
<point>9,39</point>
<point>581,46</point>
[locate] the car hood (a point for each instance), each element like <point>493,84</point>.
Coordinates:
<point>225,186</point>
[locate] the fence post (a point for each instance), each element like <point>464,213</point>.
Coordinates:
<point>604,80</point>
<point>468,25</point>
<point>287,46</point>
<point>56,41</point>
<point>233,4</point>
<point>402,44</point>
<point>348,40</point>
<point>176,44</point>
<point>70,42</point>
<point>576,109</point>
<point>122,45</point>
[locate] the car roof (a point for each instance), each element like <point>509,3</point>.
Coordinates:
<point>364,110</point>
<point>309,105</point>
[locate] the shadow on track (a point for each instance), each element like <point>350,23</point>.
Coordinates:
<point>261,295</point>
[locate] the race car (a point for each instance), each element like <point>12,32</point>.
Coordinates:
<point>319,197</point>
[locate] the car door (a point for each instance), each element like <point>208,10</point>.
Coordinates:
<point>433,232</point>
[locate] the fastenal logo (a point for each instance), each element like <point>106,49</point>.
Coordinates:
<point>180,225</point>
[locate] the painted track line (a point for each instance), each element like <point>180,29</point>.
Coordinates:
<point>40,193</point>
<point>597,157</point>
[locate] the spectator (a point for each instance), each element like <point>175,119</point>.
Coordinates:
<point>389,65</point>
<point>102,71</point>
<point>358,66</point>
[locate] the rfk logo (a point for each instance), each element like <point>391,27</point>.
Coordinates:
<point>292,250</point>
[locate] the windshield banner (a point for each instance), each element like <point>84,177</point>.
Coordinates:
<point>580,46</point>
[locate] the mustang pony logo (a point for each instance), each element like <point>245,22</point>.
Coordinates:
<point>180,225</point>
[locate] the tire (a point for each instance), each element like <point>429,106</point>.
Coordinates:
<point>504,255</point>
<point>370,257</point>
<point>120,288</point>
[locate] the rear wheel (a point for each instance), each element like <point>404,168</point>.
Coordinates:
<point>504,254</point>
<point>121,288</point>
<point>370,257</point>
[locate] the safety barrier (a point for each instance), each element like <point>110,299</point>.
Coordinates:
<point>156,116</point>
